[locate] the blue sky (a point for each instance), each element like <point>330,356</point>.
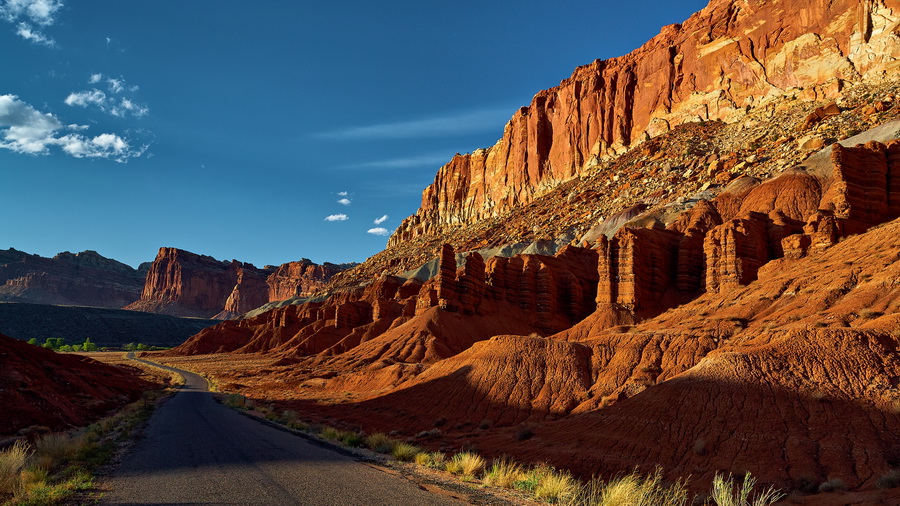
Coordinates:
<point>267,131</point>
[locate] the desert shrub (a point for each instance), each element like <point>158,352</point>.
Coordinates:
<point>54,449</point>
<point>700,446</point>
<point>636,490</point>
<point>504,472</point>
<point>890,479</point>
<point>530,479</point>
<point>298,425</point>
<point>465,464</point>
<point>485,424</point>
<point>832,485</point>
<point>350,438</point>
<point>405,452</point>
<point>234,401</point>
<point>379,442</point>
<point>330,433</point>
<point>524,432</point>
<point>12,461</point>
<point>725,492</point>
<point>429,433</point>
<point>556,486</point>
<point>436,460</point>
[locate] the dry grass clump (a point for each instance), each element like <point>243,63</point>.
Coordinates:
<point>504,472</point>
<point>725,492</point>
<point>379,442</point>
<point>405,452</point>
<point>635,490</point>
<point>465,464</point>
<point>12,462</point>
<point>58,448</point>
<point>434,460</point>
<point>556,486</point>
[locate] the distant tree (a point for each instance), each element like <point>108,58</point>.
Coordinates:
<point>129,347</point>
<point>143,347</point>
<point>64,348</point>
<point>76,347</point>
<point>88,345</point>
<point>54,343</point>
<point>33,342</point>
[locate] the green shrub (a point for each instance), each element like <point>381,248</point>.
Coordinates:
<point>330,433</point>
<point>405,452</point>
<point>890,479</point>
<point>379,442</point>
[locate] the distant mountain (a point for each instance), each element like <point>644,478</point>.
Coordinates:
<point>182,283</point>
<point>81,279</point>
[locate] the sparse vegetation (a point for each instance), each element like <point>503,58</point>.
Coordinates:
<point>12,462</point>
<point>379,442</point>
<point>465,464</point>
<point>890,479</point>
<point>405,452</point>
<point>504,472</point>
<point>61,464</point>
<point>725,492</point>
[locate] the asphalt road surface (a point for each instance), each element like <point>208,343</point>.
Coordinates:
<point>196,451</point>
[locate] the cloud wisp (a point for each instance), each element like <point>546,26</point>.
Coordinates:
<point>408,162</point>
<point>24,129</point>
<point>114,103</point>
<point>30,18</point>
<point>441,126</point>
<point>337,217</point>
<point>379,221</point>
<point>344,201</point>
<point>379,231</point>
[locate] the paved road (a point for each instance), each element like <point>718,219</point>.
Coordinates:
<point>196,451</point>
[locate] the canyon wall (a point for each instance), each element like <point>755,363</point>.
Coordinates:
<point>181,283</point>
<point>76,279</point>
<point>724,60</point>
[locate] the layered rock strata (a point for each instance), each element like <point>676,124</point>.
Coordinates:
<point>181,283</point>
<point>78,279</point>
<point>721,62</point>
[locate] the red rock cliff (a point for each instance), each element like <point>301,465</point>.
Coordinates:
<point>79,279</point>
<point>182,283</point>
<point>727,58</point>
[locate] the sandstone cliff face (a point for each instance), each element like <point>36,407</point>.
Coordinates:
<point>727,58</point>
<point>80,279</point>
<point>299,279</point>
<point>408,320</point>
<point>181,283</point>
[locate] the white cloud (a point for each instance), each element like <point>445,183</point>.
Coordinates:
<point>25,14</point>
<point>117,106</point>
<point>343,194</point>
<point>28,33</point>
<point>344,201</point>
<point>86,98</point>
<point>378,231</point>
<point>379,221</point>
<point>457,124</point>
<point>337,217</point>
<point>23,129</point>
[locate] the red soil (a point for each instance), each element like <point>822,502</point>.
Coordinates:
<point>39,387</point>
